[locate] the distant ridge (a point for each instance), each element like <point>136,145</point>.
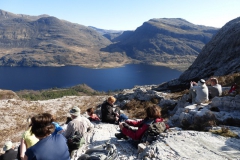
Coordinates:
<point>48,41</point>
<point>171,41</point>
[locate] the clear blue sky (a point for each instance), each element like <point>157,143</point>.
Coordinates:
<point>128,14</point>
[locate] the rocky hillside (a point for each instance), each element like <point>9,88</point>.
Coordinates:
<point>220,56</point>
<point>166,41</point>
<point>48,41</point>
<point>174,144</point>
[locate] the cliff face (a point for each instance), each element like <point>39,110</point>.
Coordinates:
<point>220,56</point>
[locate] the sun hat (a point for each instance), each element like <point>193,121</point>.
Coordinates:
<point>75,111</point>
<point>202,81</point>
<point>8,145</point>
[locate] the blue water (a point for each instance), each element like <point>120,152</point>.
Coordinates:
<point>37,78</point>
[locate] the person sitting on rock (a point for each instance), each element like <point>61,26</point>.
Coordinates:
<point>214,89</point>
<point>80,124</point>
<point>92,116</point>
<point>109,115</point>
<point>233,89</point>
<point>153,114</point>
<point>9,154</point>
<point>28,139</point>
<point>198,92</point>
<point>49,146</point>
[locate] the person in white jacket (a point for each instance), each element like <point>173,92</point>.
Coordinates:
<point>80,124</point>
<point>198,92</point>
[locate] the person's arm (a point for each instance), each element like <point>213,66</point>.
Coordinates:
<point>89,125</point>
<point>25,157</point>
<point>96,118</point>
<point>69,130</point>
<point>134,123</point>
<point>58,128</point>
<point>23,148</point>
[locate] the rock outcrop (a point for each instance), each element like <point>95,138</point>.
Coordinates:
<point>174,144</point>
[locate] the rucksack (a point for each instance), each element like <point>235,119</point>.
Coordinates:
<point>104,152</point>
<point>153,131</point>
<point>75,141</point>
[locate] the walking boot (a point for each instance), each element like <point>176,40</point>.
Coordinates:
<point>120,136</point>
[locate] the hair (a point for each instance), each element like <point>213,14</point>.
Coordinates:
<point>69,119</point>
<point>42,125</point>
<point>111,99</point>
<point>153,111</point>
<point>214,80</point>
<point>90,111</point>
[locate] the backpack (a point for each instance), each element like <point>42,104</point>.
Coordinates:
<point>75,141</point>
<point>153,131</point>
<point>104,152</point>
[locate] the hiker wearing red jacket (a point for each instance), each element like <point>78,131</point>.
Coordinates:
<point>153,115</point>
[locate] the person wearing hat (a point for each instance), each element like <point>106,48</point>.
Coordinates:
<point>198,92</point>
<point>9,154</point>
<point>78,123</point>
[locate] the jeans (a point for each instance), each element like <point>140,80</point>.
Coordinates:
<point>122,117</point>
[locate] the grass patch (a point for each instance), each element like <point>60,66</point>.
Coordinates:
<point>225,132</point>
<point>7,94</point>
<point>135,109</point>
<point>79,90</point>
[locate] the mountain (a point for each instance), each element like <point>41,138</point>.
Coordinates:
<point>48,41</point>
<point>164,41</point>
<point>220,56</point>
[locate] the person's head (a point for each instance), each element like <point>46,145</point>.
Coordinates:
<point>8,145</point>
<point>153,112</point>
<point>90,111</point>
<point>213,81</point>
<point>111,100</point>
<point>75,112</point>
<point>42,125</point>
<point>201,82</point>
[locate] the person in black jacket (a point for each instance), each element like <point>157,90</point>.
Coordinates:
<point>9,154</point>
<point>108,113</point>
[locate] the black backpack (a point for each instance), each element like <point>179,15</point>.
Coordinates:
<point>75,141</point>
<point>104,152</point>
<point>153,131</point>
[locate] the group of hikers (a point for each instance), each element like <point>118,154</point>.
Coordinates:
<point>45,139</point>
<point>202,91</point>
